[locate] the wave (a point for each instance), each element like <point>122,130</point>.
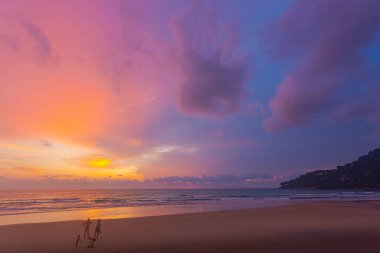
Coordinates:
<point>67,199</point>
<point>30,202</point>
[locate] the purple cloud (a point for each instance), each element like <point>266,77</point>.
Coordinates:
<point>217,179</point>
<point>41,43</point>
<point>20,35</point>
<point>327,38</point>
<point>212,74</point>
<point>51,181</point>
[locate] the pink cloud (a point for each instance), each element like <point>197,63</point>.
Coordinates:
<point>326,38</point>
<point>106,70</point>
<point>78,70</point>
<point>212,73</point>
<point>105,75</point>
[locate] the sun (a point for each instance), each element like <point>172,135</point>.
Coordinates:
<point>100,162</point>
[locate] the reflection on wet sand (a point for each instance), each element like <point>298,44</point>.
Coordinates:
<point>126,212</point>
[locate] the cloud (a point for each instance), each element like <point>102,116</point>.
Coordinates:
<point>26,173</point>
<point>26,38</point>
<point>42,47</point>
<point>118,181</point>
<point>45,143</point>
<point>52,98</point>
<point>326,40</point>
<point>215,180</point>
<point>212,73</point>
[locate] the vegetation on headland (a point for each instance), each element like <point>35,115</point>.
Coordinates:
<point>363,173</point>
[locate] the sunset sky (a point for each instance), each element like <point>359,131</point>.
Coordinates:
<point>174,93</point>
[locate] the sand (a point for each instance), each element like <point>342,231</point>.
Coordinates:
<point>307,227</point>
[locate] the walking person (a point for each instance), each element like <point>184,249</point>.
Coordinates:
<point>98,230</point>
<point>87,228</point>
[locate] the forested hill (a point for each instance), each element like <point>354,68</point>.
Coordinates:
<point>363,173</point>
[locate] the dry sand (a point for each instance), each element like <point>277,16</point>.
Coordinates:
<point>307,227</point>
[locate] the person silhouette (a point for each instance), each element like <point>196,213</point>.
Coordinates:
<point>97,230</point>
<point>86,225</point>
<point>77,241</point>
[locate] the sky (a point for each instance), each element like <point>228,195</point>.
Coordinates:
<point>184,94</point>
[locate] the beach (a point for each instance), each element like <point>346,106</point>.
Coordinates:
<point>329,226</point>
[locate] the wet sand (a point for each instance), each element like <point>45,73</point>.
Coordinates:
<point>305,227</point>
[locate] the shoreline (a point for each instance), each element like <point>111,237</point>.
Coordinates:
<point>133,211</point>
<point>112,213</point>
<point>40,206</point>
<point>328,226</point>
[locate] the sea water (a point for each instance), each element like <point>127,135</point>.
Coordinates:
<point>57,205</point>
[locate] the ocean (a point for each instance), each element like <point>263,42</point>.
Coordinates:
<point>57,205</point>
